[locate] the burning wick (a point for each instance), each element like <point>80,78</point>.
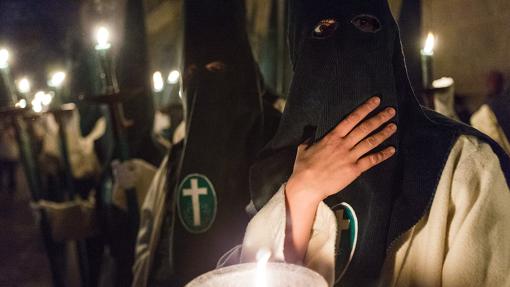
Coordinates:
<point>429,45</point>
<point>261,273</point>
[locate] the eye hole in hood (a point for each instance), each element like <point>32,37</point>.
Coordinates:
<point>325,28</point>
<point>366,23</point>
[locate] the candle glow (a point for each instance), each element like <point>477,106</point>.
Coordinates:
<point>4,58</point>
<point>21,104</point>
<point>173,77</point>
<point>102,38</point>
<point>429,45</point>
<point>157,82</point>
<point>24,85</point>
<point>261,273</point>
<point>57,79</point>
<point>41,101</point>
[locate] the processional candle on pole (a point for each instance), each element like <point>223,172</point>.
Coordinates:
<point>109,83</point>
<point>6,76</point>
<point>427,55</point>
<point>56,82</point>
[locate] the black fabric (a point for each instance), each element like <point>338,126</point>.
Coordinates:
<point>333,76</point>
<point>224,130</point>
<point>134,79</point>
<point>500,105</point>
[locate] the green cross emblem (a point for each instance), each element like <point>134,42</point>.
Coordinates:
<point>196,203</point>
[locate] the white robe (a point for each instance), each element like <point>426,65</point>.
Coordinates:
<point>464,240</point>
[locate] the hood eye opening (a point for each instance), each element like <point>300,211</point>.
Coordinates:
<point>325,28</point>
<point>367,23</point>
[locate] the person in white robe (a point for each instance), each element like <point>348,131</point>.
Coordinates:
<point>423,199</point>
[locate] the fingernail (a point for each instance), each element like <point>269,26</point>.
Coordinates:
<point>375,100</point>
<point>390,111</point>
<point>392,150</point>
<point>392,127</point>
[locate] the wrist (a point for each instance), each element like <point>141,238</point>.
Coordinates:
<point>299,193</point>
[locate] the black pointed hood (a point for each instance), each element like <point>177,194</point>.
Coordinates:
<point>224,131</point>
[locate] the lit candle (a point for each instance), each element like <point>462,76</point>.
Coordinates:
<point>173,77</point>
<point>6,77</point>
<point>109,84</point>
<point>41,101</point>
<point>24,86</point>
<point>427,54</point>
<point>261,272</point>
<point>157,82</point>
<point>56,82</point>
<point>4,58</point>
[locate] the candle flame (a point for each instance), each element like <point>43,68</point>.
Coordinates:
<point>102,38</point>
<point>4,58</point>
<point>21,104</point>
<point>41,101</point>
<point>263,256</point>
<point>429,44</point>
<point>173,77</point>
<point>157,82</point>
<point>57,79</point>
<point>24,85</point>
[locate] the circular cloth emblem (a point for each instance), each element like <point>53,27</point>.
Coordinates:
<point>196,203</point>
<point>346,239</point>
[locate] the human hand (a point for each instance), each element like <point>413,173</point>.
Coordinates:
<point>330,165</point>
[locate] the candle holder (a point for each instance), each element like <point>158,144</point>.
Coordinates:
<point>251,275</point>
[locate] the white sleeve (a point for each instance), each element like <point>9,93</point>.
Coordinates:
<point>478,235</point>
<point>267,230</point>
<point>151,214</point>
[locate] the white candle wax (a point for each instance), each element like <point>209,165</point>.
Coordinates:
<point>245,275</point>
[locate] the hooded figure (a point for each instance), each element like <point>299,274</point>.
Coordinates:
<point>343,53</point>
<point>207,174</point>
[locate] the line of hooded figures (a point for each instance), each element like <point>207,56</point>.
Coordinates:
<point>349,177</point>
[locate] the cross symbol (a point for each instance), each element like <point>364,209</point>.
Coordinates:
<point>343,224</point>
<point>195,193</point>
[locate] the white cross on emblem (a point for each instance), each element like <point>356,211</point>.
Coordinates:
<point>344,224</point>
<point>195,192</point>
